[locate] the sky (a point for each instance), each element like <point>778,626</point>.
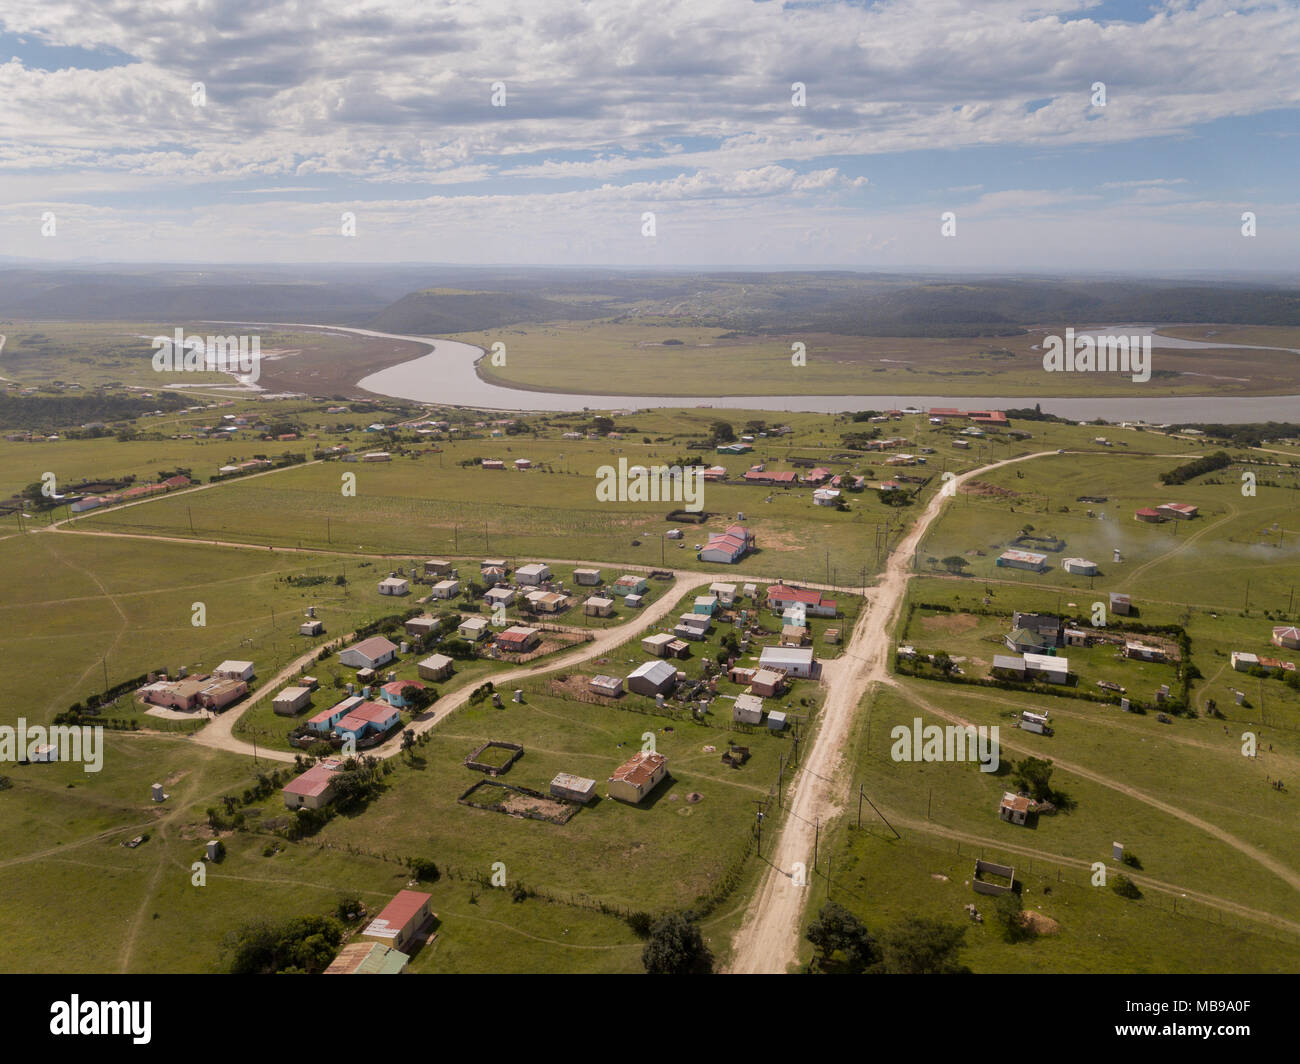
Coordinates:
<point>1052,135</point>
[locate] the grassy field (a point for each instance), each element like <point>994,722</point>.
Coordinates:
<point>676,359</point>
<point>1113,766</point>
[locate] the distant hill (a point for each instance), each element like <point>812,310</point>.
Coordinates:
<point>440,312</point>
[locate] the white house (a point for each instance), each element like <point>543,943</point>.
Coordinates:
<point>445,589</point>
<point>533,573</point>
<point>394,585</point>
<point>234,670</point>
<point>369,653</point>
<point>795,661</point>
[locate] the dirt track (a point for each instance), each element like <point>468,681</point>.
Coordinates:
<point>768,940</point>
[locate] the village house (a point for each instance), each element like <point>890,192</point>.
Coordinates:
<point>1120,603</point>
<point>706,604</point>
<point>724,593</point>
<point>766,682</point>
<point>1079,566</point>
<point>392,692</point>
<point>394,585</point>
<point>794,661</point>
<point>438,567</point>
<point>598,606</point>
<point>1007,667</point>
<point>401,920</point>
<point>546,601</point>
<point>435,667</point>
<point>1180,511</point>
<point>629,584</point>
<point>1046,625</point>
<point>780,597</point>
<point>633,780</point>
<point>1046,667</point>
<point>493,463</point>
<point>748,709</point>
<point>421,626</point>
<point>473,628</point>
<point>323,722</point>
<point>652,678</point>
<point>518,639</point>
<point>730,546</point>
<point>534,573</point>
<point>586,577</point>
<point>445,589</point>
<point>573,788</point>
<point>609,686</point>
<point>694,626</point>
<point>1014,808</point>
<point>369,718</point>
<point>1151,517</point>
<point>234,670</point>
<point>311,627</point>
<point>522,463</point>
<point>1287,636</point>
<point>1244,661</point>
<point>369,653</point>
<point>367,958</point>
<point>1022,559</point>
<point>826,497</point>
<point>314,788</point>
<point>291,700</point>
<point>793,635</point>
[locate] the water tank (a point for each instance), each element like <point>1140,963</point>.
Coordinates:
<point>157,790</point>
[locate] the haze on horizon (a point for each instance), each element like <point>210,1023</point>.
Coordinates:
<point>683,108</point>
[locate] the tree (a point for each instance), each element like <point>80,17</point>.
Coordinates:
<point>721,432</point>
<point>920,946</point>
<point>1125,887</point>
<point>676,947</point>
<point>1034,774</point>
<point>943,662</point>
<point>1010,918</point>
<point>835,928</point>
<point>955,563</point>
<point>417,699</point>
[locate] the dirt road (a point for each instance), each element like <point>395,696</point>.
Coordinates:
<point>768,940</point>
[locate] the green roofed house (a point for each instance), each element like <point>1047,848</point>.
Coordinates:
<point>1022,639</point>
<point>368,958</point>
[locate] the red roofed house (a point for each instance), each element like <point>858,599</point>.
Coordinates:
<point>314,788</point>
<point>754,476</point>
<point>392,692</point>
<point>780,597</point>
<point>817,476</point>
<point>1181,510</point>
<point>1288,636</point>
<point>401,919</point>
<point>367,719</point>
<point>729,546</point>
<point>518,640</point>
<point>637,776</point>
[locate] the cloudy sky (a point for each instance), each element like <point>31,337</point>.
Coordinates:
<point>170,130</point>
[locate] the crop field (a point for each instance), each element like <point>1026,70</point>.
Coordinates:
<point>673,359</point>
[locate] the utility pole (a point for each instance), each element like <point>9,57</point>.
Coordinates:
<point>817,834</point>
<point>190,515</point>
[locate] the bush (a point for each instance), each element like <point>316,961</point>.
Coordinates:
<point>1125,887</point>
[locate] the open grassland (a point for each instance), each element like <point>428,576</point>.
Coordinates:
<point>96,354</point>
<point>672,359</point>
<point>1163,791</point>
<point>130,603</point>
<point>104,908</point>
